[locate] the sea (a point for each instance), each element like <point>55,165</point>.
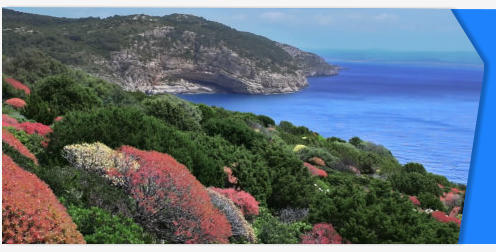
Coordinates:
<point>422,110</point>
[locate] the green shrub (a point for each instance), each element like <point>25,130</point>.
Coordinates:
<point>355,141</point>
<point>101,227</point>
<point>346,152</point>
<point>307,153</point>
<point>375,148</point>
<point>32,142</point>
<point>298,135</point>
<point>335,139</point>
<point>414,183</point>
<point>249,168</point>
<point>373,213</point>
<point>214,153</point>
<point>266,121</point>
<point>253,175</point>
<point>291,181</point>
<point>414,167</point>
<point>270,230</point>
<point>31,65</point>
<point>174,111</point>
<point>234,130</point>
<point>367,163</point>
<point>7,109</point>
<point>207,112</point>
<point>21,160</point>
<point>83,189</point>
<point>388,166</point>
<point>438,179</point>
<point>429,200</point>
<point>57,95</point>
<point>294,130</point>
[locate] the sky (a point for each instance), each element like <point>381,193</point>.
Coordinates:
<point>320,29</point>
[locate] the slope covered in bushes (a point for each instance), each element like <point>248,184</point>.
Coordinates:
<point>171,202</point>
<point>274,183</point>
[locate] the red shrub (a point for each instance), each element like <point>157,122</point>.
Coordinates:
<point>30,211</point>
<point>317,161</point>
<point>456,190</point>
<point>8,121</point>
<point>322,233</point>
<point>18,85</point>
<point>35,128</point>
<point>230,177</point>
<point>16,102</point>
<point>171,200</point>
<point>28,127</point>
<point>451,199</point>
<point>10,139</point>
<point>314,170</point>
<point>440,186</point>
<point>442,217</point>
<point>58,118</point>
<point>414,200</point>
<point>454,212</point>
<point>353,169</point>
<point>247,203</point>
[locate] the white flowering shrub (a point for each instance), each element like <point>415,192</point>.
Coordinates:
<point>99,158</point>
<point>240,228</point>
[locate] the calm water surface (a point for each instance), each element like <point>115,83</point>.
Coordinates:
<point>423,113</point>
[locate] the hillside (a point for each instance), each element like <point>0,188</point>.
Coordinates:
<point>159,169</point>
<point>120,166</point>
<point>175,53</point>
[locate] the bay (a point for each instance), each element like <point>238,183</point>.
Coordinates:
<point>423,112</point>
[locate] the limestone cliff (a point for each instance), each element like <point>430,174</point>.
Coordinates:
<point>175,53</point>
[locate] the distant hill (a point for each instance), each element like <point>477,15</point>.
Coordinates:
<point>175,53</point>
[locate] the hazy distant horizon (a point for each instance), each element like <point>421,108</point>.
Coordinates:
<point>411,57</point>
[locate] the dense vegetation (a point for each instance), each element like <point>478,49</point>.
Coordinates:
<point>132,168</point>
<point>99,226</point>
<point>78,42</point>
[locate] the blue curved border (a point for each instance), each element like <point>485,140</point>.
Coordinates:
<point>479,223</point>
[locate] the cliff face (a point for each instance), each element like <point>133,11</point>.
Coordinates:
<point>175,53</point>
<point>215,68</point>
<point>310,63</point>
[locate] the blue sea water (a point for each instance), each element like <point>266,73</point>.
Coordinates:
<point>423,113</point>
